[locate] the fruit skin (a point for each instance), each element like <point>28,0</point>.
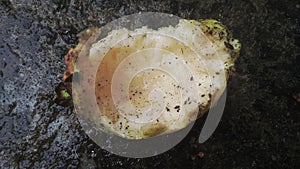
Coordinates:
<point>64,89</point>
<point>220,35</point>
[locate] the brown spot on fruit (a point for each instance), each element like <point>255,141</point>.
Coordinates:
<point>155,129</point>
<point>228,46</point>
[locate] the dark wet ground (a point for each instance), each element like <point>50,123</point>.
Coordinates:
<point>260,125</point>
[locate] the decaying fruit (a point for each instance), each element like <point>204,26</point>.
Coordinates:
<point>148,82</point>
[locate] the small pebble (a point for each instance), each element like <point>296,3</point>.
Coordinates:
<point>201,154</point>
<point>297,97</point>
<point>21,75</point>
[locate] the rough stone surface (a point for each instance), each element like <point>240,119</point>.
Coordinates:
<point>260,125</point>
